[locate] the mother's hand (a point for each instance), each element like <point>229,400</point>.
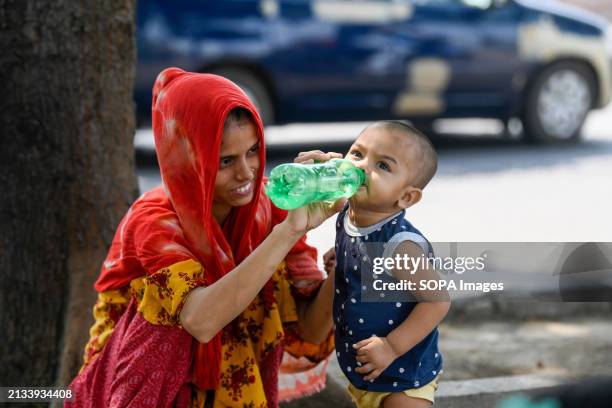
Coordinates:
<point>301,220</point>
<point>311,216</point>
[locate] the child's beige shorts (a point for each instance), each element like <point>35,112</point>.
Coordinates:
<point>372,399</point>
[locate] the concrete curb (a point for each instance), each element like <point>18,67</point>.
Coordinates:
<point>486,392</point>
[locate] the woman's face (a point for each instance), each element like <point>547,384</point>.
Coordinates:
<point>238,167</point>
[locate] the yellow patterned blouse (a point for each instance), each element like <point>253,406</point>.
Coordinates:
<point>255,332</point>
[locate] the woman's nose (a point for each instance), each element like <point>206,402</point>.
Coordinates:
<point>245,172</point>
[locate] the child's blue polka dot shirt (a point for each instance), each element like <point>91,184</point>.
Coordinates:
<point>356,320</point>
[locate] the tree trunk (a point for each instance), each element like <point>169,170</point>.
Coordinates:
<point>66,173</point>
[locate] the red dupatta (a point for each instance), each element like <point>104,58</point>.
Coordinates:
<point>167,226</point>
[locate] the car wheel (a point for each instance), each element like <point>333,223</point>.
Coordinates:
<point>255,90</point>
<point>557,103</point>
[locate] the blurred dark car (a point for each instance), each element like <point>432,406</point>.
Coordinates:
<point>341,60</point>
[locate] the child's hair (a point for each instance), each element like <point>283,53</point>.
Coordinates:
<point>238,115</point>
<point>425,154</point>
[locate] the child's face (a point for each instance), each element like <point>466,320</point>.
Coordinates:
<point>385,156</point>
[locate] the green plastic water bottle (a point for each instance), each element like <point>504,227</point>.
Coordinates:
<point>294,185</point>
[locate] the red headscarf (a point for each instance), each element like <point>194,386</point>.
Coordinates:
<point>173,224</point>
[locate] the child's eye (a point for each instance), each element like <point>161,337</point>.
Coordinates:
<point>355,153</point>
<point>383,166</point>
<point>225,161</point>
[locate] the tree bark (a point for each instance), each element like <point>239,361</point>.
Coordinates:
<point>66,174</point>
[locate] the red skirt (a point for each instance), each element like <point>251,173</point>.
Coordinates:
<point>142,365</point>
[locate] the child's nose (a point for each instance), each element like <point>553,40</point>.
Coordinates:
<point>363,165</point>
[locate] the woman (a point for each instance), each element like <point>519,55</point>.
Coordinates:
<point>206,283</point>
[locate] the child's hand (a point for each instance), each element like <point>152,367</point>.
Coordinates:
<point>329,260</point>
<point>375,354</point>
<point>316,156</point>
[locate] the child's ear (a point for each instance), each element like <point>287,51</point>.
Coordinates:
<point>410,196</point>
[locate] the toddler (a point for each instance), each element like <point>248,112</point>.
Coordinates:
<point>387,349</point>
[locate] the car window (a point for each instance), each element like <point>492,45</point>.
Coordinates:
<point>362,11</point>
<point>481,4</point>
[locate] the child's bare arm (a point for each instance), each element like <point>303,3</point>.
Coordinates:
<point>421,321</point>
<point>428,313</point>
<point>377,353</point>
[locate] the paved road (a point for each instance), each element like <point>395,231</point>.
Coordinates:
<point>487,188</point>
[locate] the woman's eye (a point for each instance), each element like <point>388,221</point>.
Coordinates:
<point>225,162</point>
<point>356,154</point>
<point>383,166</point>
<point>254,149</point>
